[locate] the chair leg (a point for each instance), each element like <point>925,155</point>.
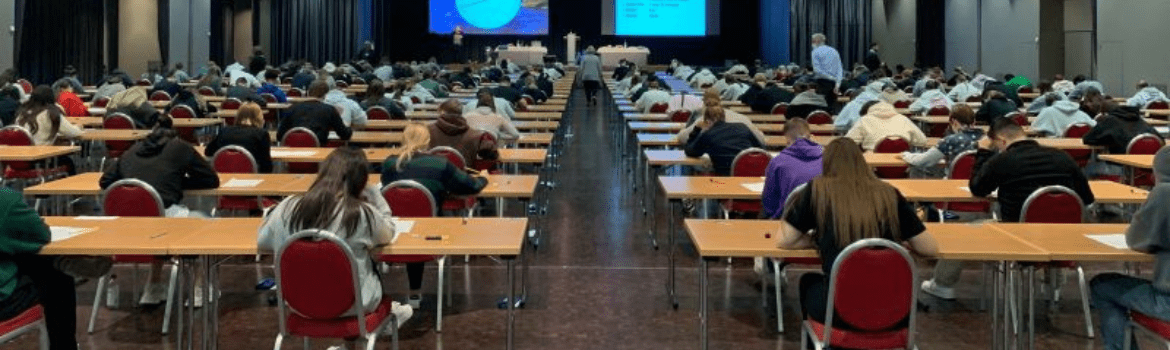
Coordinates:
<point>170,298</point>
<point>777,271</point>
<point>439,295</point>
<point>1128,342</point>
<point>307,344</point>
<point>279,341</point>
<point>43,331</point>
<point>1085,302</point>
<point>97,301</point>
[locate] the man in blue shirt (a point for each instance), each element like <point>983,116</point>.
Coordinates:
<point>827,68</point>
<point>269,86</point>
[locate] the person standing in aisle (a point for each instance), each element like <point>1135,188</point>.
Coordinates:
<point>591,74</point>
<point>826,64</point>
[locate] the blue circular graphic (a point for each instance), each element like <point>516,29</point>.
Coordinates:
<point>488,14</point>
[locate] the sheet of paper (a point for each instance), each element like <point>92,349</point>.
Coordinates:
<point>59,233</point>
<point>754,187</point>
<point>293,153</point>
<point>403,226</point>
<point>95,218</point>
<point>241,183</point>
<point>993,193</point>
<point>1115,240</point>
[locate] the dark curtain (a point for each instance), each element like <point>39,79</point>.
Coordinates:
<point>380,27</point>
<point>320,31</point>
<point>47,41</point>
<point>847,25</point>
<point>164,32</point>
<point>931,33</point>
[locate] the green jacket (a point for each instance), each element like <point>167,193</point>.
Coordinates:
<point>21,232</point>
<point>434,87</point>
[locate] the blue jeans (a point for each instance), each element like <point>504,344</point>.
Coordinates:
<point>1115,295</point>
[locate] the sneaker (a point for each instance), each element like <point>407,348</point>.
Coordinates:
<point>402,312</point>
<point>415,301</point>
<point>266,284</point>
<point>154,294</point>
<point>336,347</point>
<point>940,292</point>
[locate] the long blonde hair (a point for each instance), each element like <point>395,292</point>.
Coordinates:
<point>415,139</point>
<point>250,114</point>
<point>851,198</point>
<point>713,110</point>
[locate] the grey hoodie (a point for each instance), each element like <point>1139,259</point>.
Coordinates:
<point>1149,231</point>
<point>1054,120</point>
<point>1145,96</point>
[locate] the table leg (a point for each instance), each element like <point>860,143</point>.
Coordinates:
<point>500,207</point>
<point>181,289</point>
<point>206,266</point>
<point>511,298</point>
<point>703,313</point>
<point>652,194</point>
<point>995,289</point>
<point>670,244</point>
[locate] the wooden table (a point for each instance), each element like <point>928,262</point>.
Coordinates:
<point>34,153</point>
<point>113,134</point>
<point>1067,242</point>
<point>773,142</point>
<point>765,128</point>
<point>535,116</point>
<point>110,236</point>
<point>660,158</point>
<point>1141,161</point>
<point>378,155</point>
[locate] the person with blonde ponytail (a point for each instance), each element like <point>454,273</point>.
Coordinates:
<point>722,141</point>
<point>438,175</point>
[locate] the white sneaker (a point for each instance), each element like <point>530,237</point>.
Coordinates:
<point>938,291</point>
<point>336,347</point>
<point>154,294</point>
<point>415,301</point>
<point>402,312</point>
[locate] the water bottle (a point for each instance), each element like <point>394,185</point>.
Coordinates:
<point>112,293</point>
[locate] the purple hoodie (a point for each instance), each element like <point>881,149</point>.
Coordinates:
<point>794,166</point>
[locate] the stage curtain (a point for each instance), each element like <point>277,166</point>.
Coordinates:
<point>164,32</point>
<point>46,41</point>
<point>847,25</point>
<point>320,31</point>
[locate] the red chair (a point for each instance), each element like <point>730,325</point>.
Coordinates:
<point>25,85</point>
<point>231,103</point>
<point>780,109</point>
<point>819,117</point>
<point>295,92</point>
<point>114,149</point>
<point>892,144</point>
<point>528,99</point>
<point>902,104</point>
<point>460,203</point>
<point>1143,144</point>
<point>780,267</point>
<point>490,166</point>
<point>13,135</point>
<point>304,138</point>
<point>134,198</point>
<point>751,162</point>
<point>410,199</point>
<point>961,168</point>
<point>680,116</point>
<point>317,283</point>
<point>1081,156</point>
<point>341,84</point>
<point>1025,90</point>
<point>939,111</point>
<point>415,100</point>
<point>28,321</point>
<point>237,160</point>
<point>659,107</point>
<point>160,96</point>
<point>1148,325</point>
<point>1059,205</point>
<point>377,113</point>
<point>873,289</point>
<point>180,111</point>
<point>143,82</point>
<point>1158,105</point>
<point>270,98</point>
<point>101,102</point>
<point>207,91</point>
<point>1019,118</point>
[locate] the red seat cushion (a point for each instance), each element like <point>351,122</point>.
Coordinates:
<point>346,327</point>
<point>863,340</point>
<point>742,206</point>
<point>459,203</point>
<point>1152,324</point>
<point>30,316</point>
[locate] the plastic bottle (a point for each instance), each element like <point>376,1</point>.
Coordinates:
<point>112,292</point>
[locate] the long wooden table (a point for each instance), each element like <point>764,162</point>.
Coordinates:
<point>662,158</point>
<point>377,155</point>
<point>34,153</point>
<point>1141,161</point>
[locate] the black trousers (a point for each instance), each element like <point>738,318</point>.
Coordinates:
<point>414,275</point>
<point>591,88</point>
<point>828,89</point>
<point>39,281</point>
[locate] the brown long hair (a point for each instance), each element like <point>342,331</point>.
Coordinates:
<point>851,198</point>
<point>250,114</point>
<point>41,100</point>
<point>335,193</point>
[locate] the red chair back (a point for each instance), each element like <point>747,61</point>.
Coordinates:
<point>1144,144</point>
<point>1019,118</point>
<point>780,109</point>
<point>902,104</point>
<point>270,98</point>
<point>377,113</point>
<point>680,116</point>
<point>132,197</point>
<point>118,121</point>
<point>451,154</point>
<point>939,111</point>
<point>819,117</point>
<point>415,100</point>
<point>1053,205</point>
<point>528,99</point>
<point>961,168</point>
<point>13,135</point>
<point>143,82</point>
<point>1158,105</point>
<point>231,103</point>
<point>295,92</point>
<point>751,162</point>
<point>101,102</point>
<point>234,160</point>
<point>160,96</point>
<point>410,199</point>
<point>182,112</point>
<point>207,91</point>
<point>26,86</point>
<point>872,288</point>
<point>301,137</point>
<point>1077,130</point>
<point>659,107</point>
<point>892,144</point>
<point>316,275</point>
<point>1025,90</point>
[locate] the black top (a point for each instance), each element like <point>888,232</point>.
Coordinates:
<point>1021,169</point>
<point>508,93</point>
<point>396,112</point>
<point>318,117</point>
<point>769,97</point>
<point>994,109</point>
<point>749,97</point>
<point>536,94</point>
<point>1118,128</point>
<point>170,167</point>
<point>246,94</point>
<point>8,107</point>
<point>722,142</point>
<point>257,64</point>
<point>253,139</point>
<point>802,215</point>
<point>302,80</point>
<point>872,61</point>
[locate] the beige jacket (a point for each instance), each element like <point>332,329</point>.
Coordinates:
<point>884,121</point>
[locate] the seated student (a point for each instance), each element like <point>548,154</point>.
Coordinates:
<point>995,106</point>
<point>436,88</point>
<point>881,122</point>
<point>1053,121</point>
<point>342,202</point>
<point>9,103</point>
<point>720,140</point>
<point>702,79</point>
<point>113,85</point>
<point>179,74</point>
<point>769,97</point>
<point>932,96</point>
<point>412,89</point>
<point>892,94</point>
<point>71,76</point>
<point>963,136</point>
<point>807,100</point>
<point>653,95</point>
<point>243,91</point>
<point>248,133</point>
<point>749,96</point>
<point>237,74</point>
<point>190,99</point>
<point>849,114</point>
<point>305,77</point>
<point>533,90</point>
<point>1083,85</point>
<point>451,130</point>
<point>733,90</point>
<point>376,97</point>
<point>46,122</point>
<point>796,165</point>
<point>1116,129</point>
<point>1145,95</point>
<point>70,103</point>
<point>506,91</point>
<point>319,117</point>
<point>962,89</point>
<point>133,103</point>
<point>846,204</point>
<point>711,97</point>
<point>485,118</point>
<point>271,79</point>
<point>502,106</point>
<point>440,177</point>
<point>1017,166</point>
<point>352,113</point>
<point>213,79</point>
<point>28,278</point>
<point>1116,295</point>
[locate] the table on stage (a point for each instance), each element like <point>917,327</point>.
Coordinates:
<point>612,55</point>
<point>523,55</point>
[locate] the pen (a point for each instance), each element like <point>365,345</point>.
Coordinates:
<point>158,235</point>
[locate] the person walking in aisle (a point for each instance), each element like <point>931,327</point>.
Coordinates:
<point>591,74</point>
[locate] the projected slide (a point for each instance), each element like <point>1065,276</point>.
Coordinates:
<point>522,17</point>
<point>660,17</point>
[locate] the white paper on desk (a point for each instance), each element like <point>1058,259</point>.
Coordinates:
<point>402,226</point>
<point>1115,240</point>
<point>754,187</point>
<point>60,233</point>
<point>968,189</point>
<point>293,153</point>
<point>241,183</point>
<point>96,218</point>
